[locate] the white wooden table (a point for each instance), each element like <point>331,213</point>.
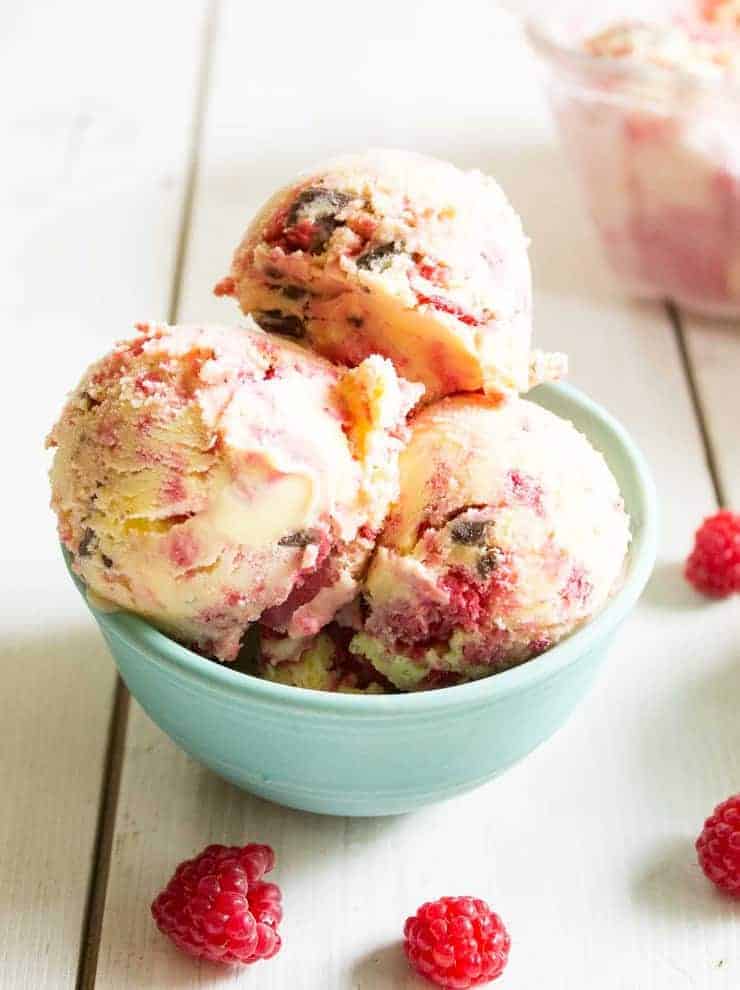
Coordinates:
<point>139,137</point>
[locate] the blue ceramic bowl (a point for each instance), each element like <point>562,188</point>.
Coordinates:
<point>356,755</point>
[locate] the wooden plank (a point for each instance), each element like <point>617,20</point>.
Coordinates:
<point>586,848</point>
<point>93,135</point>
<point>713,349</point>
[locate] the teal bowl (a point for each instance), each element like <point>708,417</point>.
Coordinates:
<point>379,755</point>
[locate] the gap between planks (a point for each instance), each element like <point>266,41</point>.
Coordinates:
<point>113,766</point>
<point>674,315</point>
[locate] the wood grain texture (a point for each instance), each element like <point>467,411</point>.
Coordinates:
<point>586,848</point>
<point>714,352</point>
<point>92,170</point>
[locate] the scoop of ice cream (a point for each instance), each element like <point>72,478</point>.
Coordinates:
<point>207,477</point>
<point>398,254</point>
<point>320,663</point>
<point>509,533</point>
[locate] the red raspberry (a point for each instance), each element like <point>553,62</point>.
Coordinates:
<point>456,942</point>
<point>217,906</point>
<point>718,846</point>
<point>713,566</point>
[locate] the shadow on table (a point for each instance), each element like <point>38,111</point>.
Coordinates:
<point>689,738</point>
<point>302,840</point>
<point>668,588</point>
<point>670,883</point>
<point>384,968</point>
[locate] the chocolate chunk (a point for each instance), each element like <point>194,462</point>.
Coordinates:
<point>317,203</point>
<point>107,562</point>
<point>323,230</point>
<point>489,562</point>
<point>470,532</point>
<point>83,550</point>
<point>272,272</point>
<point>90,402</point>
<point>292,291</point>
<point>275,321</point>
<point>301,538</point>
<point>355,321</point>
<point>319,208</point>
<point>379,258</point>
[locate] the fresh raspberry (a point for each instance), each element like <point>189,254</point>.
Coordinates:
<point>217,906</point>
<point>718,846</point>
<point>456,942</point>
<point>713,566</point>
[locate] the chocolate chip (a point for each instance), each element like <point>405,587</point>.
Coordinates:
<point>292,291</point>
<point>89,401</point>
<point>379,258</point>
<point>107,562</point>
<point>83,550</point>
<point>470,532</point>
<point>317,203</point>
<point>355,321</point>
<point>319,207</point>
<point>272,272</point>
<point>489,562</point>
<point>275,321</point>
<point>301,538</point>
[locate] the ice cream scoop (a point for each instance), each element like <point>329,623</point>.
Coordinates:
<point>206,477</point>
<point>509,533</point>
<point>399,254</point>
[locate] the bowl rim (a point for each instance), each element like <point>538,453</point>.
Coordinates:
<point>682,82</point>
<point>146,639</point>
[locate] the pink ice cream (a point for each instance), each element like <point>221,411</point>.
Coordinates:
<point>398,254</point>
<point>205,478</point>
<point>510,533</point>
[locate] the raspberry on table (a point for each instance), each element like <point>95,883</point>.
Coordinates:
<point>218,907</point>
<point>713,566</point>
<point>456,942</point>
<point>718,846</point>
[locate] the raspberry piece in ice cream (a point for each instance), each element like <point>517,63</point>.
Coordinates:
<point>218,907</point>
<point>398,254</point>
